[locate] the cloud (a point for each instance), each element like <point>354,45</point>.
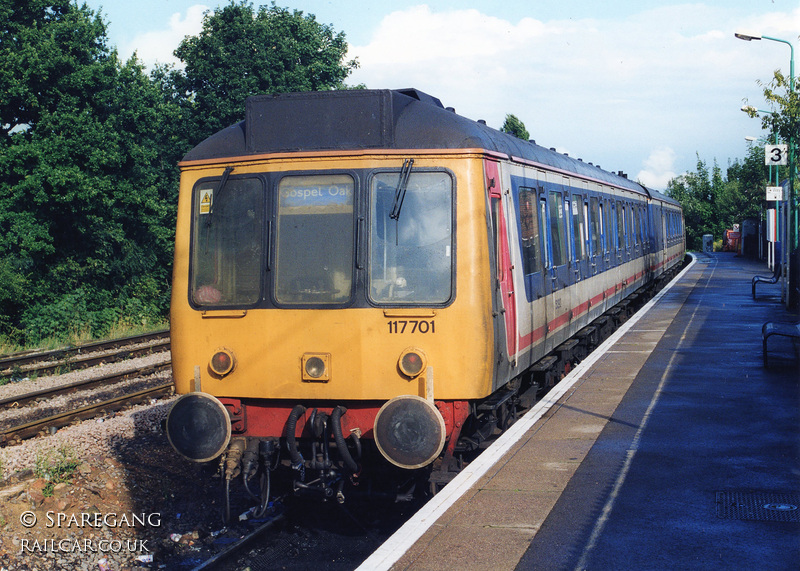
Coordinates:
<point>157,46</point>
<point>670,78</point>
<point>659,168</point>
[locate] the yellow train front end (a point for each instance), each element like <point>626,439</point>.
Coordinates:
<point>331,311</point>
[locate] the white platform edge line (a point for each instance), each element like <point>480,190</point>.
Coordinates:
<point>409,533</point>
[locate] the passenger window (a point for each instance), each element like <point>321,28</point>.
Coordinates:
<point>227,255</point>
<point>529,231</point>
<point>543,220</point>
<point>609,226</point>
<point>630,233</point>
<point>557,228</point>
<point>311,267</point>
<point>620,226</point>
<point>596,223</point>
<point>579,227</point>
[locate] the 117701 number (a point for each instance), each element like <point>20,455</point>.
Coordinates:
<point>412,326</point>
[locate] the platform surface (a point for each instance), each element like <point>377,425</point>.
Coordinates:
<point>676,449</point>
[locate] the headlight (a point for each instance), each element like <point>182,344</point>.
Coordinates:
<point>316,367</point>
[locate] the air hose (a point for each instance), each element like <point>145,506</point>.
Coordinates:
<point>341,445</point>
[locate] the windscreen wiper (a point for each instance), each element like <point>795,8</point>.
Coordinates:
<point>217,193</point>
<point>400,191</point>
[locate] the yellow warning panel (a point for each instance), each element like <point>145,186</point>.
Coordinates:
<point>206,197</point>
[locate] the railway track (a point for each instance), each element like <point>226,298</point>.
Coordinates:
<point>38,411</point>
<point>39,363</point>
<point>109,379</point>
<point>59,420</point>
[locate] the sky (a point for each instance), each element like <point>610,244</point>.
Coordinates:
<point>641,86</point>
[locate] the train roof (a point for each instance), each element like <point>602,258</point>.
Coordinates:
<point>378,119</point>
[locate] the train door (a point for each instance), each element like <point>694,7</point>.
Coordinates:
<point>580,231</point>
<point>559,245</point>
<point>505,298</point>
<point>554,226</point>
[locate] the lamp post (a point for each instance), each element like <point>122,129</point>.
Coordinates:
<point>791,207</point>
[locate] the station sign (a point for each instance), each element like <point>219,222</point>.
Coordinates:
<point>776,155</point>
<point>775,193</point>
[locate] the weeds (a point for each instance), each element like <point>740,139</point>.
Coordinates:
<point>56,468</point>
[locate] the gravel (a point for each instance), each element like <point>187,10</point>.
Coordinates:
<point>26,385</point>
<point>123,468</point>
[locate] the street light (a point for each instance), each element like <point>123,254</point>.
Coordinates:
<point>791,246</point>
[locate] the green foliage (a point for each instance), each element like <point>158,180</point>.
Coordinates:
<point>513,126</point>
<point>87,201</point>
<point>242,52</point>
<point>56,468</point>
<point>89,147</point>
<point>713,203</point>
<point>785,120</point>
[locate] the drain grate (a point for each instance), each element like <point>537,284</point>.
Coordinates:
<point>759,506</point>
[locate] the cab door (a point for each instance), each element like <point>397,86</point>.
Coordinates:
<point>505,296</point>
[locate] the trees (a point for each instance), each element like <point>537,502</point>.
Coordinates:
<point>513,126</point>
<point>89,148</point>
<point>84,223</point>
<point>713,203</point>
<point>242,52</point>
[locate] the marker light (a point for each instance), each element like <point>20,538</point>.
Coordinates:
<point>222,362</point>
<point>412,362</point>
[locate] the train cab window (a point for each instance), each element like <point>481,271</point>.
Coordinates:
<point>411,238</point>
<point>312,268</point>
<point>557,229</point>
<point>529,231</point>
<point>227,233</point>
<point>596,225</point>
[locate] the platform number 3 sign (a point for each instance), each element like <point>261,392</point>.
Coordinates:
<point>776,155</point>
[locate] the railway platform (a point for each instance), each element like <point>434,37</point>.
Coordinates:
<point>670,447</point>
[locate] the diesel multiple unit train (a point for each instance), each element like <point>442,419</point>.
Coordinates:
<point>368,285</point>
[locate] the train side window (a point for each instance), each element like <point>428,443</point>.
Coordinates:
<point>557,228</point>
<point>529,231</point>
<point>579,226</point>
<point>630,233</point>
<point>596,224</point>
<point>570,238</point>
<point>227,240</point>
<point>609,226</point>
<point>620,226</point>
<point>543,225</point>
<point>310,267</point>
